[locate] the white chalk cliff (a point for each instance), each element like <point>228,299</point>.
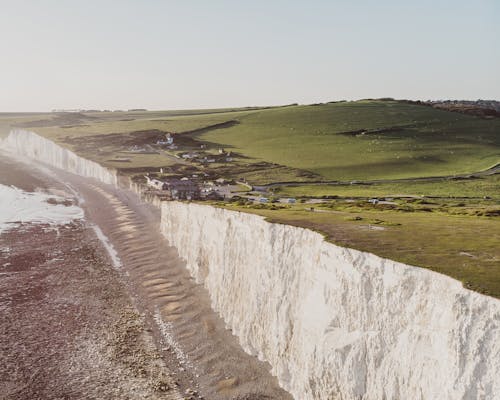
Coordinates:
<point>29,144</point>
<point>337,323</point>
<point>334,323</point>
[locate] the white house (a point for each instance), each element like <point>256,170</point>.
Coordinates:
<point>169,140</point>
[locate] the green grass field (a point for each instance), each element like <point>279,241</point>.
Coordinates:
<point>474,188</point>
<point>98,124</point>
<point>455,232</point>
<point>417,141</point>
<point>96,128</point>
<point>400,140</point>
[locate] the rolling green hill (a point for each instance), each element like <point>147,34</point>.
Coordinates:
<point>365,140</point>
<point>345,141</point>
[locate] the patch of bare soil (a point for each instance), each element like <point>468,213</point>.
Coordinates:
<point>67,327</point>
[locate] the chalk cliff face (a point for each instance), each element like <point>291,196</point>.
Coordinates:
<point>336,323</point>
<point>31,145</point>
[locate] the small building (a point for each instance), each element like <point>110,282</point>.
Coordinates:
<point>154,183</point>
<point>206,160</point>
<point>181,189</point>
<point>291,201</point>
<point>189,156</point>
<point>263,200</point>
<point>169,140</point>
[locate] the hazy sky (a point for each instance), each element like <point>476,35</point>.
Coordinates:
<point>161,54</point>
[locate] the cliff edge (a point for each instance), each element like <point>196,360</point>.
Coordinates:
<point>337,323</point>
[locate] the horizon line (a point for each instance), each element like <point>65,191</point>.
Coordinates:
<point>146,109</point>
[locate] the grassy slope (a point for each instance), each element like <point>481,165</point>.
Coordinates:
<point>58,127</point>
<point>487,186</point>
<point>131,123</point>
<point>424,142</point>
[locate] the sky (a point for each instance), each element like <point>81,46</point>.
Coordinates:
<point>166,54</point>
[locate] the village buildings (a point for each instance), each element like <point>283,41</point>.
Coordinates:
<point>176,189</point>
<point>182,189</point>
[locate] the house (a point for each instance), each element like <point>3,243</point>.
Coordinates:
<point>181,189</point>
<point>263,200</point>
<point>169,140</point>
<point>207,160</point>
<point>291,201</point>
<point>189,156</point>
<point>154,183</point>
